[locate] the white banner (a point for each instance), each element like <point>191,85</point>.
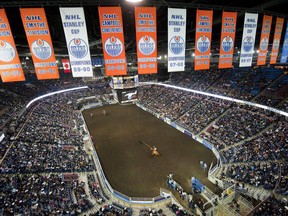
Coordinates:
<point>176,39</point>
<point>73,20</point>
<point>248,39</point>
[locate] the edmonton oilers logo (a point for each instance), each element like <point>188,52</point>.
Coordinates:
<point>203,44</point>
<point>176,45</point>
<point>78,48</point>
<point>7,52</point>
<point>248,43</point>
<point>146,45</point>
<point>285,45</point>
<point>227,44</point>
<point>276,43</point>
<point>264,43</point>
<point>41,49</point>
<point>113,46</point>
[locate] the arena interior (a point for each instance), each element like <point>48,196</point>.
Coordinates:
<point>193,142</point>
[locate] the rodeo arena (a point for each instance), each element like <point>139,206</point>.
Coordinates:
<point>144,107</point>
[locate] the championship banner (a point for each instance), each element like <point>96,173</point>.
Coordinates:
<point>204,19</point>
<point>176,39</point>
<point>113,40</point>
<point>276,40</point>
<point>146,39</point>
<point>227,39</point>
<point>66,66</point>
<point>40,43</point>
<point>248,39</point>
<point>10,65</point>
<point>264,40</point>
<point>285,47</point>
<point>74,25</point>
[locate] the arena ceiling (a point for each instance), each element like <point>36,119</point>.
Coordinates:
<point>275,8</point>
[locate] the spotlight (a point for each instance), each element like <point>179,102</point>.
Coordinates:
<point>134,1</point>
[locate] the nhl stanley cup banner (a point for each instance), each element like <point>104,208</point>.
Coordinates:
<point>276,40</point>
<point>248,39</point>
<point>285,47</point>
<point>73,20</point>
<point>40,43</point>
<point>227,39</point>
<point>264,40</point>
<point>113,40</point>
<point>176,39</point>
<point>146,39</point>
<point>10,65</point>
<point>204,19</point>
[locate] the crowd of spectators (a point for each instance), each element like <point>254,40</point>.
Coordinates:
<point>192,111</point>
<point>38,195</point>
<point>264,174</point>
<point>239,124</point>
<point>271,206</point>
<point>270,145</point>
<point>49,138</point>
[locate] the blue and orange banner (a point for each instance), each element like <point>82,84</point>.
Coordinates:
<point>146,39</point>
<point>264,40</point>
<point>285,47</point>
<point>276,39</point>
<point>204,21</point>
<point>227,39</point>
<point>40,43</point>
<point>10,65</point>
<point>113,40</point>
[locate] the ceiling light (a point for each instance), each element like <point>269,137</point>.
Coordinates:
<point>134,1</point>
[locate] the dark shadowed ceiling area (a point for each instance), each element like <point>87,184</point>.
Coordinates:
<point>275,8</point>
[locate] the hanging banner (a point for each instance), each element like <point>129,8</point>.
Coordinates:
<point>248,39</point>
<point>66,66</point>
<point>285,47</point>
<point>40,43</point>
<point>276,40</point>
<point>227,39</point>
<point>10,65</point>
<point>176,39</point>
<point>113,40</point>
<point>146,39</point>
<point>204,19</point>
<point>264,40</point>
<point>73,21</point>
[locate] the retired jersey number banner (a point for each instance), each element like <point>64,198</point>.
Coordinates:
<point>248,39</point>
<point>10,65</point>
<point>264,40</point>
<point>227,39</point>
<point>176,39</point>
<point>40,43</point>
<point>146,39</point>
<point>73,20</point>
<point>113,40</point>
<point>204,19</point>
<point>276,40</point>
<point>285,47</point>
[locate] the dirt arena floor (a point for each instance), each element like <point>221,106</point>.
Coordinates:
<point>128,164</point>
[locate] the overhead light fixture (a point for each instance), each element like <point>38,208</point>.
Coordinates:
<point>134,1</point>
<point>27,58</point>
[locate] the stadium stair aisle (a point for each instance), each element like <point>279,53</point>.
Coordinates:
<point>213,122</point>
